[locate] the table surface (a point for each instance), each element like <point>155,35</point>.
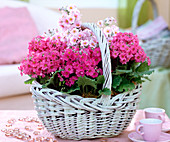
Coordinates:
<point>6,115</point>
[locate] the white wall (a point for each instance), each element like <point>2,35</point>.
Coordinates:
<point>78,3</point>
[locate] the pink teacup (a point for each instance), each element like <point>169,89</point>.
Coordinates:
<point>157,113</point>
<point>149,129</point>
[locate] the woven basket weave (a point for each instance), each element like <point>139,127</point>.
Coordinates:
<point>158,49</point>
<point>75,117</point>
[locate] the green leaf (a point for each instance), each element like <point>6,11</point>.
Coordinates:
<point>124,71</point>
<point>106,24</point>
<point>84,81</point>
<point>146,77</point>
<point>29,81</point>
<point>105,91</point>
<point>73,89</point>
<point>116,81</point>
<point>142,67</point>
<point>118,72</point>
<point>126,85</point>
<point>51,80</point>
<point>140,74</point>
<point>135,65</point>
<point>100,79</point>
<point>43,80</point>
<point>138,80</point>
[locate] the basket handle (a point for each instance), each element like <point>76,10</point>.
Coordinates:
<point>136,11</point>
<point>105,53</point>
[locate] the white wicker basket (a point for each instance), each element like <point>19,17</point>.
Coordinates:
<point>75,117</point>
<point>158,49</point>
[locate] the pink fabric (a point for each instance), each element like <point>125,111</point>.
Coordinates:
<point>152,29</point>
<point>16,29</point>
<point>7,114</point>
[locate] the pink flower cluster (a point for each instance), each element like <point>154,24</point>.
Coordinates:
<point>72,49</point>
<point>43,57</point>
<point>47,55</point>
<point>70,22</point>
<point>125,46</point>
<point>70,17</point>
<point>80,62</point>
<point>108,27</point>
<point>76,51</point>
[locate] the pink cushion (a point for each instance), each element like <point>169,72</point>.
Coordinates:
<point>16,29</point>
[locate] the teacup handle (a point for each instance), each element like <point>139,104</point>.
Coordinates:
<point>162,118</point>
<point>138,130</point>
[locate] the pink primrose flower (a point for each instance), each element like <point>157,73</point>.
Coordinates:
<point>76,15</point>
<point>83,57</point>
<point>59,76</point>
<point>115,29</point>
<point>97,60</point>
<point>112,46</point>
<point>65,74</point>
<point>66,21</point>
<point>73,40</point>
<point>87,65</point>
<point>71,19</point>
<point>127,49</point>
<point>134,49</point>
<point>68,51</point>
<point>100,23</point>
<point>49,44</point>
<point>87,33</point>
<point>78,24</point>
<point>123,46</point>
<point>90,71</point>
<point>114,54</point>
<point>141,51</point>
<point>80,67</point>
<point>149,61</point>
<point>57,43</point>
<point>137,57</point>
<point>84,43</point>
<point>129,54</point>
<point>76,65</point>
<point>92,44</point>
<point>94,39</point>
<point>67,82</point>
<point>74,31</point>
<point>80,35</point>
<point>107,31</point>
<point>80,73</point>
<point>124,60</point>
<point>109,39</point>
<point>71,7</point>
<point>73,79</point>
<point>44,65</point>
<point>69,69</point>
<point>122,56</point>
<point>95,74</point>
<point>143,57</point>
<point>58,36</point>
<point>97,52</point>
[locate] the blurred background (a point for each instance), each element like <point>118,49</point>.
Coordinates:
<point>23,19</point>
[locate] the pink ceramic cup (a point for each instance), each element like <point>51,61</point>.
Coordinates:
<point>149,129</point>
<point>157,113</point>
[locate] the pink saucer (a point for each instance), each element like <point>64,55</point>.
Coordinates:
<point>135,137</point>
<point>165,126</point>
